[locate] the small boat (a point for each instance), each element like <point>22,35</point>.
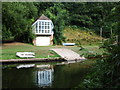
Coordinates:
<point>25,66</point>
<point>25,54</point>
<point>68,44</point>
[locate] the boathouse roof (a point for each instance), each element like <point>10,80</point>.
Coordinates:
<point>43,17</point>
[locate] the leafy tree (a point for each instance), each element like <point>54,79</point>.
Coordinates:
<point>78,14</point>
<point>58,16</point>
<point>42,6</point>
<point>105,73</point>
<point>17,18</point>
<point>101,16</point>
<point>94,16</point>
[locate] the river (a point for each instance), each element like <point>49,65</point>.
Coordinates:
<point>58,76</point>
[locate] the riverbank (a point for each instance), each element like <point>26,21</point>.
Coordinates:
<point>32,60</point>
<point>44,52</point>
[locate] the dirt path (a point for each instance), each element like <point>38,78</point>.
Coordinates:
<point>13,43</point>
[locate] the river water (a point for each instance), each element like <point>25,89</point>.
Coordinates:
<point>58,76</point>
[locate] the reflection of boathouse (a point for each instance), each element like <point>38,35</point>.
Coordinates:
<point>45,77</point>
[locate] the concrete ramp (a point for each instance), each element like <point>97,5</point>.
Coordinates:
<point>68,54</point>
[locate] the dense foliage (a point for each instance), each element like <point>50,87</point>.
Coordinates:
<point>105,73</point>
<point>58,16</point>
<point>16,20</point>
<point>18,17</point>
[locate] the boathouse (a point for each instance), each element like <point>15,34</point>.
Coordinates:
<point>43,29</point>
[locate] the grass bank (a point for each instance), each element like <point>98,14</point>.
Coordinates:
<point>9,50</point>
<point>79,36</point>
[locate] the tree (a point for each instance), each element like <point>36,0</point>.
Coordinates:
<point>58,16</point>
<point>78,14</point>
<point>105,73</point>
<point>100,14</point>
<point>17,19</point>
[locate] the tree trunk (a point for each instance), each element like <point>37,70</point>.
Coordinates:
<point>101,31</point>
<point>111,31</point>
<point>118,39</point>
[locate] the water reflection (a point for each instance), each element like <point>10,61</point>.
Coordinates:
<point>45,77</point>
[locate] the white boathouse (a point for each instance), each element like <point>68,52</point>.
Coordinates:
<point>43,29</point>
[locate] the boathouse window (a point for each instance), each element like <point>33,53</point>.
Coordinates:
<point>43,27</point>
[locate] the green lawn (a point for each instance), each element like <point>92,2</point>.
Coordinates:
<point>88,50</point>
<point>9,51</point>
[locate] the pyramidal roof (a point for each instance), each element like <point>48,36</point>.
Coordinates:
<point>43,17</point>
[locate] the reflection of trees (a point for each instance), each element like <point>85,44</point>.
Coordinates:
<point>45,77</point>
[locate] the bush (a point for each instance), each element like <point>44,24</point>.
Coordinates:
<point>27,36</point>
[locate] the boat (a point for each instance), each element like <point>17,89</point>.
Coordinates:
<point>25,54</point>
<point>25,66</point>
<point>68,44</point>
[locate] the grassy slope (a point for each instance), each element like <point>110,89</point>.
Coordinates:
<point>81,36</point>
<point>89,42</point>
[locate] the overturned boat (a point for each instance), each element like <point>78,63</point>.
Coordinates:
<point>25,54</point>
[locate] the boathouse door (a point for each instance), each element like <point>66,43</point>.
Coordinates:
<point>42,41</point>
